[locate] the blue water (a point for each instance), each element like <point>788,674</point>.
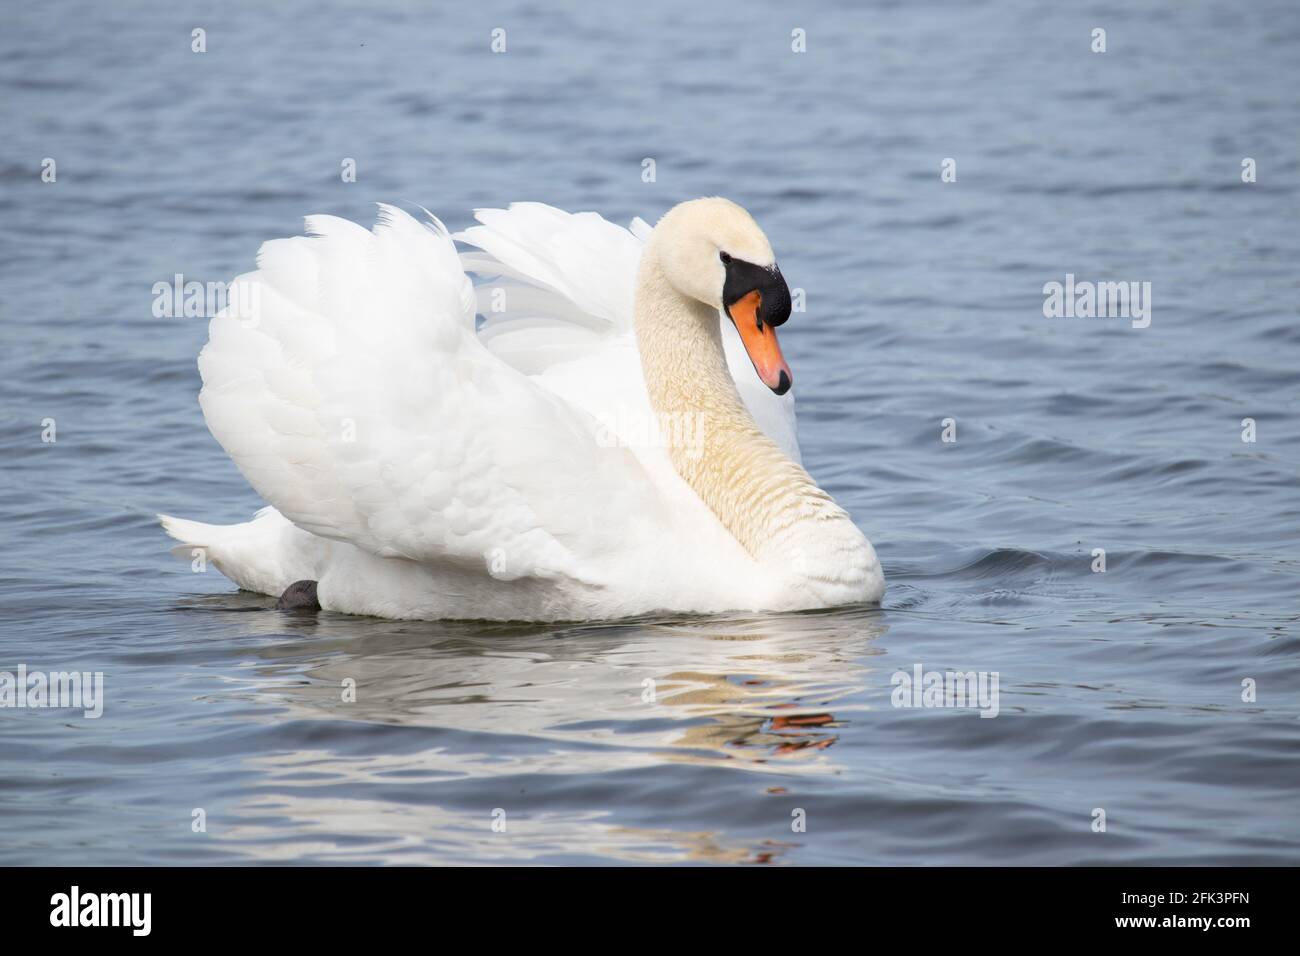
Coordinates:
<point>1120,691</point>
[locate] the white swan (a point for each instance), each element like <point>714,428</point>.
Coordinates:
<point>599,447</point>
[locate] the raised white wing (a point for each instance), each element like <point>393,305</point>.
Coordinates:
<point>348,384</point>
<point>560,303</point>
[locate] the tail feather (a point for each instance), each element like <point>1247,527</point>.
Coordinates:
<point>190,534</point>
<point>265,555</point>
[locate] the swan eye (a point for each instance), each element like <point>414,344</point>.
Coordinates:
<point>724,257</point>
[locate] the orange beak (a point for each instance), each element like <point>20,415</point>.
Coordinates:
<point>760,342</point>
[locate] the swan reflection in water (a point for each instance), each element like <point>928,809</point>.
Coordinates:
<point>449,706</point>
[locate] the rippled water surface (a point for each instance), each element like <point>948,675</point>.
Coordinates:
<point>1120,690</point>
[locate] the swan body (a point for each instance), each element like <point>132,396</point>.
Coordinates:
<point>614,437</point>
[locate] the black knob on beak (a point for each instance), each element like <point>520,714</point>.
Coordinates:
<point>745,277</point>
<point>776,299</point>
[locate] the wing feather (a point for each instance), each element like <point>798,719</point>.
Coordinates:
<point>357,399</point>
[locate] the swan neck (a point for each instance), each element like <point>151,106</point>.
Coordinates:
<point>758,493</point>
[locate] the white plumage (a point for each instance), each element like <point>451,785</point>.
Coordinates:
<point>421,467</point>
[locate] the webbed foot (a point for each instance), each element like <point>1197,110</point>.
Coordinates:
<point>301,595</point>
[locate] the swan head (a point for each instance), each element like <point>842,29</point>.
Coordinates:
<point>713,251</point>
